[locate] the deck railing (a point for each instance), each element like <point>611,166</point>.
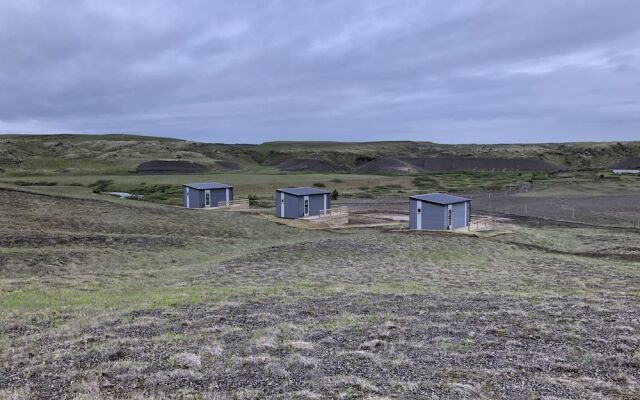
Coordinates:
<point>242,204</point>
<point>481,223</point>
<point>336,211</point>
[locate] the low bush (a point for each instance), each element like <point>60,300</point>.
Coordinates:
<point>41,183</point>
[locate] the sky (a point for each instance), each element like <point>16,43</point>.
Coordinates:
<point>250,71</point>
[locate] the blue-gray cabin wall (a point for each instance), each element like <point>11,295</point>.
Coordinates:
<point>316,204</point>
<point>459,216</point>
<point>434,216</point>
<point>294,205</point>
<point>197,197</point>
<point>220,195</point>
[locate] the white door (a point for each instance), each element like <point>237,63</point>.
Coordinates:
<point>306,206</point>
<point>325,204</point>
<point>226,194</point>
<point>207,198</point>
<point>282,204</point>
<point>418,214</point>
<point>466,214</point>
<point>187,197</point>
<point>449,216</point>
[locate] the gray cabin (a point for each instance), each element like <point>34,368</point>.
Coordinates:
<point>206,195</point>
<point>301,202</point>
<point>439,211</point>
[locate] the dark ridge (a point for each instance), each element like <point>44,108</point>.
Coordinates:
<point>169,167</point>
<point>450,164</point>
<point>628,163</point>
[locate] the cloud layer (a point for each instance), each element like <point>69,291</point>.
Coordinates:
<point>252,71</point>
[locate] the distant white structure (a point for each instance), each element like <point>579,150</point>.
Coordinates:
<point>625,171</point>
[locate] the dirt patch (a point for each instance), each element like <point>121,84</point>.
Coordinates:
<point>169,167</point>
<point>603,210</point>
<point>376,217</point>
<point>310,164</point>
<point>388,165</point>
<point>450,164</point>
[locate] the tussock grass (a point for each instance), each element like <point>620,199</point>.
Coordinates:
<point>135,300</point>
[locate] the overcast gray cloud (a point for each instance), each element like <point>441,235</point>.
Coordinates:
<point>252,71</point>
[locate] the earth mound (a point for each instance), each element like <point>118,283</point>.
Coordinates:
<point>169,167</point>
<point>628,163</point>
<point>309,164</point>
<point>388,165</point>
<point>229,165</point>
<point>449,164</point>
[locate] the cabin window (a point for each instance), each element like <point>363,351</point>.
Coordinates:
<point>306,207</point>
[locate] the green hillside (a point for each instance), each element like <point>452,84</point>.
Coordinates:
<point>121,154</point>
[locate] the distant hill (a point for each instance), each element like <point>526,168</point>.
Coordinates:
<point>119,153</point>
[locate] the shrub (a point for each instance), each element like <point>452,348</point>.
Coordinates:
<point>100,185</point>
<point>337,180</point>
<point>319,184</point>
<point>334,194</point>
<point>41,183</point>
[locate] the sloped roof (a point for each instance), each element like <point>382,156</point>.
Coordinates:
<point>302,191</point>
<point>440,198</point>
<point>207,185</point>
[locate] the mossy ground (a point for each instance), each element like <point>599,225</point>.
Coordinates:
<point>103,298</point>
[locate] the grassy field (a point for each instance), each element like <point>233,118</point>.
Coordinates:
<point>103,298</point>
<point>167,189</point>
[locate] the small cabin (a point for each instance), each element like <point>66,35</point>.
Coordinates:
<point>439,212</point>
<point>206,195</point>
<point>301,202</point>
